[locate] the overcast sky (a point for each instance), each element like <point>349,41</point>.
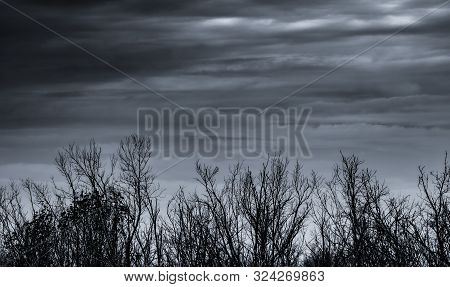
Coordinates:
<point>390,106</point>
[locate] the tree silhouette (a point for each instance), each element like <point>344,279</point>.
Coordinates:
<point>107,213</point>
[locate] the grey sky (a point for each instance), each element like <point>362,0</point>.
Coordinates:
<point>390,106</point>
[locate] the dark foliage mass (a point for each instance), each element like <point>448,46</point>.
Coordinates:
<point>108,214</point>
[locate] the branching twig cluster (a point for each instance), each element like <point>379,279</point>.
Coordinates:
<point>107,213</point>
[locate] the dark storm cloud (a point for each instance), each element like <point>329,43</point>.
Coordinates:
<point>138,7</point>
<point>223,53</point>
<point>147,46</point>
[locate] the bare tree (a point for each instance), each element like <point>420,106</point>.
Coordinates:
<point>434,231</point>
<point>101,216</point>
<point>107,213</point>
<point>137,185</point>
<point>358,224</point>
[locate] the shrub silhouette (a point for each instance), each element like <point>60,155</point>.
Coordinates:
<point>107,213</point>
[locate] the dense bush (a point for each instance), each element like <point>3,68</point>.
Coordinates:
<point>107,214</point>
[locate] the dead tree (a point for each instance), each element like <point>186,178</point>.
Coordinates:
<point>433,233</point>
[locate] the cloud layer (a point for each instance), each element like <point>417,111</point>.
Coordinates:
<point>391,102</point>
